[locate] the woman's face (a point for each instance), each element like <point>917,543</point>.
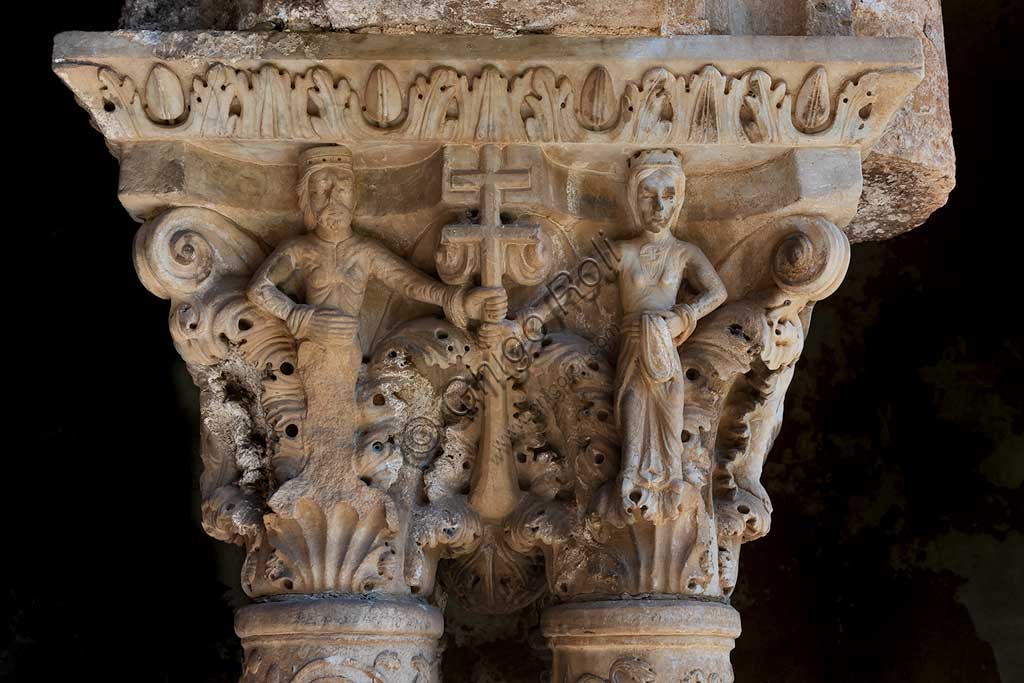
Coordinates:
<point>657,201</point>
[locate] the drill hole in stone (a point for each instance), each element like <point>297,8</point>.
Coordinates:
<point>291,431</point>
<point>287,368</point>
<point>378,399</point>
<point>692,374</point>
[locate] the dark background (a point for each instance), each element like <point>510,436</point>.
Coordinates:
<point>897,545</point>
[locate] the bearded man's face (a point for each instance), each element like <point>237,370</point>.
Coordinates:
<point>331,198</point>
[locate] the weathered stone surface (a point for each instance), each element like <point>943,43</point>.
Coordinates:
<point>911,170</point>
<point>341,638</point>
<point>908,176</point>
<point>575,17</point>
<point>518,339</point>
<point>619,641</point>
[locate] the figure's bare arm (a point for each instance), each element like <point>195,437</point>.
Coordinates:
<point>404,278</point>
<point>320,323</point>
<point>459,303</point>
<point>703,277</point>
<point>264,289</point>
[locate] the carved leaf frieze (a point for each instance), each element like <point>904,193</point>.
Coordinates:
<point>707,107</point>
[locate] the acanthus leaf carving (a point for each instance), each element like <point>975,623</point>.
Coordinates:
<point>374,422</point>
<point>539,106</point>
<point>643,478</point>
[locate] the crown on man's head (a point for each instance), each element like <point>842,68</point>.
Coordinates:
<point>331,155</point>
<point>656,157</point>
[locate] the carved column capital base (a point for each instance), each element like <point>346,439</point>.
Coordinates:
<point>647,641</point>
<point>339,638</point>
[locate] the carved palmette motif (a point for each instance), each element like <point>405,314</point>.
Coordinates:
<point>417,424</point>
<point>537,105</point>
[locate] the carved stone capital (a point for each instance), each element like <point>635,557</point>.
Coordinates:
<point>512,317</point>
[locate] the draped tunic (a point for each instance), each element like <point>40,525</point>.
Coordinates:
<point>649,377</point>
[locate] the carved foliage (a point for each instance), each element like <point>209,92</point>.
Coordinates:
<point>316,552</point>
<point>242,360</point>
<point>637,670</point>
<point>808,262</point>
<point>417,429</point>
<point>707,107</point>
<point>387,667</point>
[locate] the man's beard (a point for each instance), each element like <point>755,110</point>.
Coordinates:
<point>335,216</point>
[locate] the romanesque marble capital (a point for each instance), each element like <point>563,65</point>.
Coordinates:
<point>511,317</point>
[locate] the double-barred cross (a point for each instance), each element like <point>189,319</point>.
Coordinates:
<point>490,236</point>
<point>496,249</point>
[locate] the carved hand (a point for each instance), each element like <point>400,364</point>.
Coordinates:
<point>676,323</point>
<point>489,304</point>
<point>679,321</point>
<point>331,326</point>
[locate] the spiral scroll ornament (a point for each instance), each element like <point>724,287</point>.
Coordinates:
<point>177,252</point>
<point>811,259</point>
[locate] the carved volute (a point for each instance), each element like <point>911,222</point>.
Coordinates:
<point>498,321</point>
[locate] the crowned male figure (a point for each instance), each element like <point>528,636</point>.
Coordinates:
<point>315,283</point>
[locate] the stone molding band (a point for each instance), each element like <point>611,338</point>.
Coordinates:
<point>512,90</point>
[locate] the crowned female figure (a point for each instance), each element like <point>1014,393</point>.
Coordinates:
<point>665,286</point>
